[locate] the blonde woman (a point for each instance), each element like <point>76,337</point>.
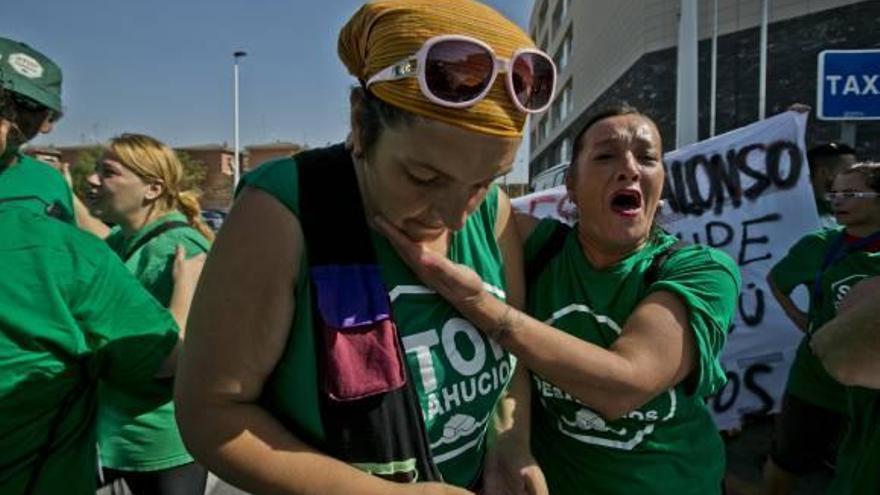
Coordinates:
<point>137,187</point>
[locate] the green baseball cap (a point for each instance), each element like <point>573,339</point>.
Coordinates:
<point>29,73</point>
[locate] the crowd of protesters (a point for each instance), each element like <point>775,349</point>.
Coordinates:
<point>374,318</point>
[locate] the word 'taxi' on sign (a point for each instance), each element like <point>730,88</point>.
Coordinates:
<point>848,85</point>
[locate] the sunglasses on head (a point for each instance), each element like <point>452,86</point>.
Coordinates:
<point>458,71</point>
<point>850,195</point>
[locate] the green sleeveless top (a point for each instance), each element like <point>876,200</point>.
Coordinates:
<point>670,444</point>
<point>137,431</point>
<point>459,373</point>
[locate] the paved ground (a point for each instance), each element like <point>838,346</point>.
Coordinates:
<point>745,456</point>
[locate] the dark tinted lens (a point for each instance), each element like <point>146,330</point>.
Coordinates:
<point>458,71</point>
<point>533,80</point>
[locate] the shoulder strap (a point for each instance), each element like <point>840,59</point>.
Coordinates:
<point>652,274</point>
<point>369,409</point>
<point>547,252</point>
<point>149,236</point>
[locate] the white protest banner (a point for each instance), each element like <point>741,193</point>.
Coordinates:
<point>547,203</point>
<point>746,192</point>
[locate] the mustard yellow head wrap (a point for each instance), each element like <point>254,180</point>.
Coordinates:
<point>383,32</point>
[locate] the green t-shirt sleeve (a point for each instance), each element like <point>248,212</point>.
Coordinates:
<point>125,327</point>
<point>707,281</point>
<point>540,235</point>
<point>801,263</point>
<point>278,178</point>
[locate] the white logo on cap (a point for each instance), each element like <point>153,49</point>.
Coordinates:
<point>26,65</point>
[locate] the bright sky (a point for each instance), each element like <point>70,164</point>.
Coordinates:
<point>164,67</point>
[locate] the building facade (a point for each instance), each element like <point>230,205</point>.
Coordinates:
<point>625,51</point>
<point>258,154</point>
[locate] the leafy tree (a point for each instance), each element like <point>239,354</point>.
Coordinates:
<point>193,172</point>
<point>83,167</point>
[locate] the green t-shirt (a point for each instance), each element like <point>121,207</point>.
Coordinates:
<point>40,183</point>
<point>69,313</point>
<point>459,372</point>
<point>808,379</point>
<point>137,431</point>
<point>670,444</point>
<point>858,459</point>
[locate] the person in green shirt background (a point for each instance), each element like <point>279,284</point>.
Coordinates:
<point>830,262</point>
<point>849,345</point>
<point>621,358</point>
<point>70,314</point>
<point>136,186</point>
<point>826,160</point>
<point>31,105</point>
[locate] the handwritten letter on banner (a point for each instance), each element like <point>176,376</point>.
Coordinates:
<point>746,192</point>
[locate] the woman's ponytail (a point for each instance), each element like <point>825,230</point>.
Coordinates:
<point>188,204</point>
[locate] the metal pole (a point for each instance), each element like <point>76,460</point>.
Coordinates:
<point>762,82</point>
<point>848,133</point>
<point>686,130</point>
<point>236,165</point>
<point>714,78</point>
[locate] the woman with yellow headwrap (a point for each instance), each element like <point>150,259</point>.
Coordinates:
<point>314,356</point>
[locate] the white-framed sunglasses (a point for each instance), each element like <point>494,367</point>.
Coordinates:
<point>851,195</point>
<point>458,71</point>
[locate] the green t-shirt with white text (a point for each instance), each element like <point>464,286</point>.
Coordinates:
<point>669,445</point>
<point>459,373</point>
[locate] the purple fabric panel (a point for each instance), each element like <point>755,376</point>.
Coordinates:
<point>350,296</point>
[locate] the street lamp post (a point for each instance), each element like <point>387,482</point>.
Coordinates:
<point>236,168</point>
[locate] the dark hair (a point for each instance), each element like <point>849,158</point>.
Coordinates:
<point>617,110</point>
<point>25,114</point>
<point>374,116</point>
<point>7,106</point>
<point>817,154</point>
<point>869,170</point>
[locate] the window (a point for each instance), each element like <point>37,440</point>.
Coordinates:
<point>565,150</point>
<point>563,53</point>
<point>563,105</point>
<point>542,13</point>
<point>533,139</point>
<point>558,16</point>
<point>562,152</point>
<point>545,127</point>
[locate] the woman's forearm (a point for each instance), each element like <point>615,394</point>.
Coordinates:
<point>86,221</point>
<point>515,409</point>
<point>597,377</point>
<point>179,305</point>
<point>798,317</point>
<point>246,446</point>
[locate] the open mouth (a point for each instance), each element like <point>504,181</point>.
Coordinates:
<point>627,202</point>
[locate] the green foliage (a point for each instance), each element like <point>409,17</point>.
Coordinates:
<point>83,167</point>
<point>193,172</point>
